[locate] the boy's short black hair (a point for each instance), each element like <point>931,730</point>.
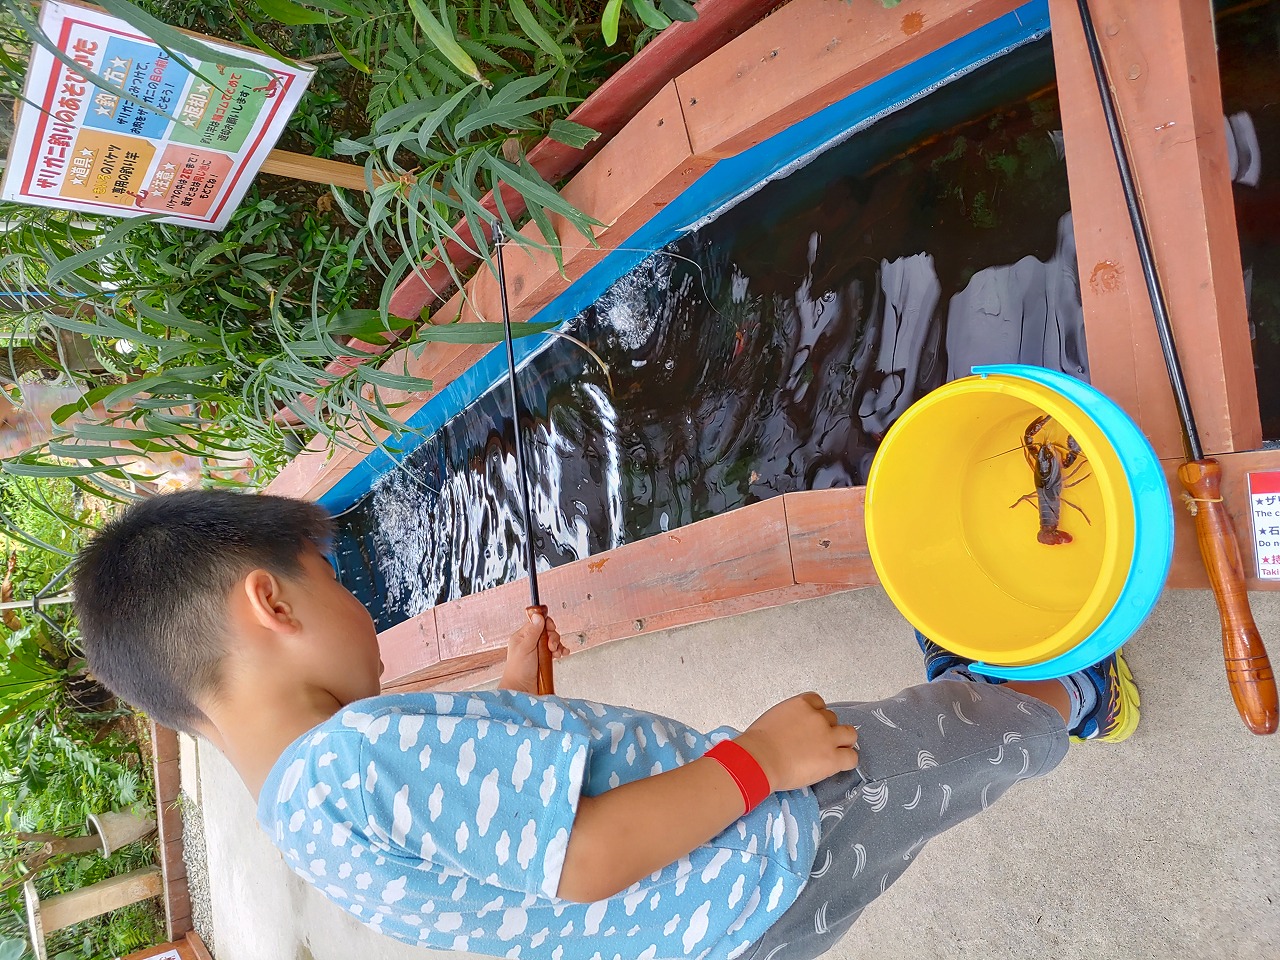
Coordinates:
<point>151,590</point>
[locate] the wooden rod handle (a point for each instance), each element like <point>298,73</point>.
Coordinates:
<point>546,681</point>
<point>1253,685</point>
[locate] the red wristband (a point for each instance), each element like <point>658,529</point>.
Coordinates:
<point>746,772</point>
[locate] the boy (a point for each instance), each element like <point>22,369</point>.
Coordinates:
<point>507,824</point>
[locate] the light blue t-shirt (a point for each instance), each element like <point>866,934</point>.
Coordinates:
<point>442,820</point>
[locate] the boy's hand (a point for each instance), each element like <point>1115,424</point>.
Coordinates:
<point>521,672</point>
<point>799,742</point>
<point>626,833</point>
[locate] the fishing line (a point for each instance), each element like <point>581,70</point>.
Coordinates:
<point>522,476</point>
<point>651,252</point>
<point>398,463</point>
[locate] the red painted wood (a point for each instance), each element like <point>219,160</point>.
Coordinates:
<point>828,538</point>
<point>475,669</point>
<point>778,551</point>
<point>1162,62</point>
<point>409,647</point>
<point>812,54</point>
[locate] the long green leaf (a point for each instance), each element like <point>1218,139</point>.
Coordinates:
<point>652,17</point>
<point>108,432</point>
<point>444,40</point>
<point>364,323</point>
<point>70,265</point>
<point>87,451</point>
<point>46,470</point>
<point>173,39</point>
<point>506,115</point>
<point>477,333</point>
<point>392,381</point>
<point>680,10</point>
<point>572,134</point>
<point>286,11</point>
<point>609,23</point>
<point>536,32</point>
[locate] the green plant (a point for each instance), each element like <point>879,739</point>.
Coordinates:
<point>217,346</point>
<point>61,764</point>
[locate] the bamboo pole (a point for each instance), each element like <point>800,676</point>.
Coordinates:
<point>300,166</point>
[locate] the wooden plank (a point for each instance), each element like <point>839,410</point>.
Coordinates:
<point>166,751</point>
<point>476,669</point>
<point>300,166</point>
<point>828,537</point>
<point>808,55</point>
<point>446,672</point>
<point>409,647</point>
<point>101,897</point>
<point>732,555</point>
<point>177,909</point>
<point>198,950</point>
<point>172,863</point>
<point>35,920</point>
<point>1163,63</point>
<point>168,820</point>
<point>180,946</point>
<point>644,168</point>
<point>168,778</point>
<point>778,551</point>
<point>164,743</point>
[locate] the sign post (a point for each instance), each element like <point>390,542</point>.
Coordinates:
<point>189,154</point>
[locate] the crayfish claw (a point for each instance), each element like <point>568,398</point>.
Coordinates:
<point>1053,537</point>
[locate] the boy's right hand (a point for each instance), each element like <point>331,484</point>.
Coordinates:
<point>624,834</point>
<point>799,742</point>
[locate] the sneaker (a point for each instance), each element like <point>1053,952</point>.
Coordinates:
<point>1115,716</point>
<point>938,660</point>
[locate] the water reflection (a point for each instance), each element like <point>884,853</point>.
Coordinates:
<point>1249,63</point>
<point>766,353</point>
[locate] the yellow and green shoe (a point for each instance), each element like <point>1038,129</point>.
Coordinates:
<point>1115,716</point>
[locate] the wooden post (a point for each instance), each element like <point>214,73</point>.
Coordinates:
<point>44,917</point>
<point>1162,62</point>
<point>299,166</point>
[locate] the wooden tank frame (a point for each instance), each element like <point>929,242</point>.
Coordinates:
<point>800,59</point>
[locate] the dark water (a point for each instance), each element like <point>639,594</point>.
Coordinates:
<point>768,352</point>
<point>1249,59</point>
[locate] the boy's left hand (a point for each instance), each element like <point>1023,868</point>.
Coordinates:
<point>521,672</point>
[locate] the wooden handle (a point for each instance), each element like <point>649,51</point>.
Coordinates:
<point>1253,685</point>
<point>546,682</point>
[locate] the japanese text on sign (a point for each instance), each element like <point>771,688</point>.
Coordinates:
<point>131,130</point>
<point>1264,501</point>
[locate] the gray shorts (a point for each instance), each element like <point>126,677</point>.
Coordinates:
<point>929,758</point>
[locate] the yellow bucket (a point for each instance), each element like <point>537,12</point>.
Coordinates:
<point>956,551</point>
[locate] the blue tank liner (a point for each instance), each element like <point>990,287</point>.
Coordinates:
<point>1152,526</point>
<point>727,183</point>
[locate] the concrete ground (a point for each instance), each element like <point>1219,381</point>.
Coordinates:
<point>1164,846</point>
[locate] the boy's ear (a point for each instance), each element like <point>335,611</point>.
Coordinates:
<point>267,603</point>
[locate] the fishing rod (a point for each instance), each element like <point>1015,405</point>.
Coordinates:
<point>1249,674</point>
<point>546,682</point>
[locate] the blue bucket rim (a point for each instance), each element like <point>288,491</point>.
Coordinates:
<point>1152,531</point>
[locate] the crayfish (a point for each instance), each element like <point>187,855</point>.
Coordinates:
<point>1051,463</point>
